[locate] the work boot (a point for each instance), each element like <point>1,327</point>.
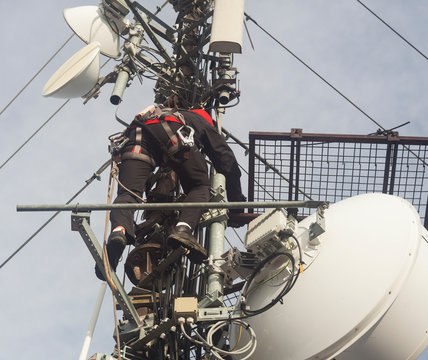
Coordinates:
<point>182,236</point>
<point>115,245</point>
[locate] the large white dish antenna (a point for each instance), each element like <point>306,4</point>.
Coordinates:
<point>90,25</point>
<point>366,292</point>
<point>77,76</point>
<point>402,331</point>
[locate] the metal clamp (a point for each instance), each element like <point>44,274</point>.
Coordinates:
<point>213,215</point>
<point>318,227</point>
<point>186,140</point>
<point>117,145</point>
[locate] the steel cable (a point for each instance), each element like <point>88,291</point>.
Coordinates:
<point>41,127</point>
<point>35,75</point>
<point>248,17</point>
<point>393,30</point>
<point>35,133</point>
<point>88,182</point>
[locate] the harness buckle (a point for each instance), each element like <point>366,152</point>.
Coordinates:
<point>117,145</point>
<point>180,117</point>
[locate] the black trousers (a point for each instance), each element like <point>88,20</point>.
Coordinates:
<point>133,174</point>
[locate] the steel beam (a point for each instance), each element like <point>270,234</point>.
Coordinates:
<point>176,206</point>
<point>80,222</point>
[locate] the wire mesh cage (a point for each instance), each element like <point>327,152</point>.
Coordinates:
<point>298,166</point>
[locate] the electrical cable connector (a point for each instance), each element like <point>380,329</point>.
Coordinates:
<point>187,308</point>
<point>243,303</point>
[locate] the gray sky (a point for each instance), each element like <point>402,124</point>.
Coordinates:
<point>49,288</point>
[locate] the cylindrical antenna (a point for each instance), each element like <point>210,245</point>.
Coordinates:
<point>119,86</point>
<point>125,71</point>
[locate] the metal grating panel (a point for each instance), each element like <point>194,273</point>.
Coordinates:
<point>297,166</point>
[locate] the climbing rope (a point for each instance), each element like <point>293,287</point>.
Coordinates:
<point>106,224</point>
<point>113,175</point>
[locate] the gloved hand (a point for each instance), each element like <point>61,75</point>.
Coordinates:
<point>236,198</point>
<point>235,221</point>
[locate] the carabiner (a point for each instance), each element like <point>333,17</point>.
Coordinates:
<point>186,140</point>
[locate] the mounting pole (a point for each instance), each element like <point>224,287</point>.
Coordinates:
<point>216,249</point>
<point>214,294</point>
<point>172,206</point>
<point>125,68</point>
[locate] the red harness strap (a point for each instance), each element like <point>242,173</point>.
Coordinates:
<point>167,118</point>
<point>200,112</point>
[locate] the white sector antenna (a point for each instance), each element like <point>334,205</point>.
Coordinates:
<point>227,27</point>
<point>90,25</point>
<point>77,76</point>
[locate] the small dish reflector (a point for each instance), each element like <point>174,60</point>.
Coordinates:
<point>77,76</point>
<point>90,25</point>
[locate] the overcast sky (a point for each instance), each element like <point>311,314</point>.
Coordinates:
<point>49,289</point>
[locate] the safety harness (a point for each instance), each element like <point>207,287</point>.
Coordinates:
<point>179,144</point>
<point>177,148</point>
<point>136,153</point>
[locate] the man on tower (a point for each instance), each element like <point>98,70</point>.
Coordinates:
<point>173,137</point>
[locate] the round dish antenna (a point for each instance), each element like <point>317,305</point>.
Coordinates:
<point>363,297</point>
<point>77,76</point>
<point>89,23</point>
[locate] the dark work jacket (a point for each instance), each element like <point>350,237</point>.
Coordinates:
<point>213,144</point>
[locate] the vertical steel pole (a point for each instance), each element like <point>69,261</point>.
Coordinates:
<point>426,215</point>
<point>393,169</point>
<point>297,177</point>
<point>216,237</point>
<point>291,173</point>
<point>251,169</point>
<point>93,322</point>
<point>386,170</point>
<point>216,247</point>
